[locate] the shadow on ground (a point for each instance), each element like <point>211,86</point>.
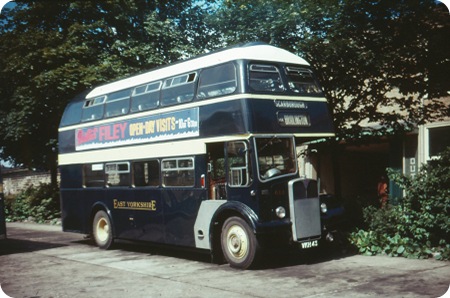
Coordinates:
<point>14,246</point>
<point>271,260</point>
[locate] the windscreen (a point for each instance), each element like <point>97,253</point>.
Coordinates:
<point>276,157</point>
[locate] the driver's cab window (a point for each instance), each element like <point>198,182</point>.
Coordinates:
<point>238,164</point>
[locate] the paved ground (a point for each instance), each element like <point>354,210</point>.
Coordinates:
<point>41,261</point>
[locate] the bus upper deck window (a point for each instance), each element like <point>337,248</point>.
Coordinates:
<point>265,78</point>
<point>117,103</point>
<point>178,89</point>
<point>145,97</point>
<point>217,81</point>
<point>301,80</point>
<point>93,109</point>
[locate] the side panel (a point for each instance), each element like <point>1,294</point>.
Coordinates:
<point>203,222</point>
<point>225,118</point>
<point>180,212</point>
<point>76,205</point>
<point>75,200</point>
<point>136,213</point>
<point>277,116</point>
<point>142,219</point>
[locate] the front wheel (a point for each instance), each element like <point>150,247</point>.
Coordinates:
<point>239,244</point>
<point>102,230</point>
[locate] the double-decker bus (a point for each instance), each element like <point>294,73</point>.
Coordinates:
<point>198,154</point>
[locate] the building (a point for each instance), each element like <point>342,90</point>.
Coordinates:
<point>352,169</point>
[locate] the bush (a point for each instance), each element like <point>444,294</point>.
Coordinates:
<point>39,204</point>
<point>420,225</point>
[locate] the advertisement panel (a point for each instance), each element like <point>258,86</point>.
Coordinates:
<point>153,128</point>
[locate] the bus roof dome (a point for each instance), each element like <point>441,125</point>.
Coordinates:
<point>247,51</point>
<point>259,51</point>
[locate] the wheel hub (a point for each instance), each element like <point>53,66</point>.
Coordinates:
<point>237,242</point>
<point>102,230</point>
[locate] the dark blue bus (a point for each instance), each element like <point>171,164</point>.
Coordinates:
<point>198,154</point>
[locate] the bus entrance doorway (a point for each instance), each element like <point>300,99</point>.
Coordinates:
<point>228,169</point>
<point>216,171</point>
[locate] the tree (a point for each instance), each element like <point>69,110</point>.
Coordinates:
<point>370,56</point>
<point>53,50</point>
<point>361,50</point>
<point>383,56</point>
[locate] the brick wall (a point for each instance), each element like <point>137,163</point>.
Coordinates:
<point>14,181</point>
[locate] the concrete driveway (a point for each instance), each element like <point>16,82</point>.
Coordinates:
<point>41,261</point>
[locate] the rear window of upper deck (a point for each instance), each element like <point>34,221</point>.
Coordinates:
<point>72,114</point>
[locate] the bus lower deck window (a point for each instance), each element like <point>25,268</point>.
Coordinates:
<point>93,175</point>
<point>178,172</point>
<point>117,174</point>
<point>146,173</point>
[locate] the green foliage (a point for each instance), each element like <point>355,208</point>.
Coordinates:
<point>39,204</point>
<point>371,243</point>
<point>361,51</point>
<point>51,51</point>
<point>420,225</point>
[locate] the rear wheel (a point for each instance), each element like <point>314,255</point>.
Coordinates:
<point>239,244</point>
<point>102,230</point>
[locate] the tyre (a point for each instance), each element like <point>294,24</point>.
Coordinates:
<point>102,230</point>
<point>239,244</point>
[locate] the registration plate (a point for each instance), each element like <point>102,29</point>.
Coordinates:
<point>309,244</point>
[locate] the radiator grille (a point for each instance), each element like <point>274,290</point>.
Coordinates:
<point>304,209</point>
